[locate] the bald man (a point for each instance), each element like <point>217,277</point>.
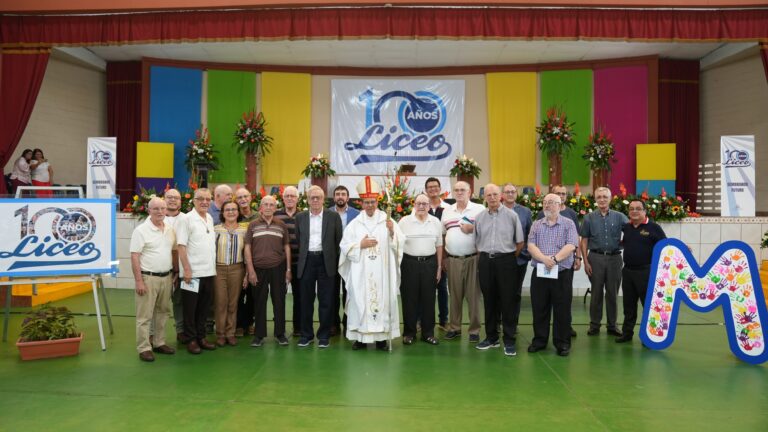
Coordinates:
<point>221,194</point>
<point>268,261</point>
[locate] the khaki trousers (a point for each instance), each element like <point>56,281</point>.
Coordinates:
<point>227,287</point>
<point>153,307</point>
<point>463,283</point>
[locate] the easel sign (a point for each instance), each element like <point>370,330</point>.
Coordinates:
<point>54,237</point>
<point>72,239</point>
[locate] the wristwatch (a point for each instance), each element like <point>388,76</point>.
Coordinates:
<point>554,259</point>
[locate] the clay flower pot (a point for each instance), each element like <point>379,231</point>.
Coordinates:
<point>49,349</point>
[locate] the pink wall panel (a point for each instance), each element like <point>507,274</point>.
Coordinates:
<point>621,106</point>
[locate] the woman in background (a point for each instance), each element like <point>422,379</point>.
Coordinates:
<point>42,175</point>
<point>21,174</point>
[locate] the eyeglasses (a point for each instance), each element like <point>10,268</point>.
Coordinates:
<point>510,192</point>
<point>230,210</point>
<point>202,199</point>
<point>421,204</point>
<point>550,202</point>
<point>315,198</point>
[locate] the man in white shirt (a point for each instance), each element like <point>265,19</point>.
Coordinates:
<point>420,270</point>
<point>459,230</point>
<point>172,199</point>
<point>151,248</point>
<point>197,256</point>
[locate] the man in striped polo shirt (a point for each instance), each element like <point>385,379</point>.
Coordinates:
<point>268,261</point>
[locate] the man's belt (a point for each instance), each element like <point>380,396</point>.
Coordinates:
<point>315,252</point>
<point>603,252</point>
<point>461,256</point>
<point>163,274</point>
<point>419,258</point>
<point>495,255</point>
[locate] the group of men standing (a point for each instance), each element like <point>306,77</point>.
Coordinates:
<point>362,259</point>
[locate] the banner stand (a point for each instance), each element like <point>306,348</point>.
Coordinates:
<point>96,282</point>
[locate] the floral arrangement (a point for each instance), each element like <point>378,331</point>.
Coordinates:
<point>250,135</point>
<point>319,166</point>
<point>465,166</point>
<point>200,152</point>
<point>556,134</point>
<point>140,201</point>
<point>396,197</point>
<point>764,241</point>
<point>599,151</point>
<point>660,208</point>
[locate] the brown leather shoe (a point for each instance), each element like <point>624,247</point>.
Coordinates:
<point>182,338</point>
<point>232,341</point>
<point>164,349</point>
<point>193,347</point>
<point>221,341</point>
<point>146,356</point>
<point>204,344</point>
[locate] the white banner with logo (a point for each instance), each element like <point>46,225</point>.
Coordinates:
<point>51,237</point>
<point>378,125</point>
<point>102,158</point>
<point>737,175</point>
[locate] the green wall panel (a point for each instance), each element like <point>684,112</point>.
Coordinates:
<point>571,90</point>
<point>230,94</point>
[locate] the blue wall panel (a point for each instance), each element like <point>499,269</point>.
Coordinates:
<point>175,98</point>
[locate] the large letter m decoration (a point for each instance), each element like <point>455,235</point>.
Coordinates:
<point>730,278</point>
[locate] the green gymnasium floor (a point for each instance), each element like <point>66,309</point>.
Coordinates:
<point>696,384</point>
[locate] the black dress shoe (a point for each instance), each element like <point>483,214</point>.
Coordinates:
<point>563,352</point>
<point>573,332</point>
<point>382,346</point>
<point>359,346</point>
<point>614,332</point>
<point>533,348</point>
<point>624,338</point>
<point>407,340</point>
<point>593,332</point>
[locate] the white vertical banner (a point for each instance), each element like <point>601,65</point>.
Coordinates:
<point>737,176</point>
<point>378,125</point>
<point>102,157</point>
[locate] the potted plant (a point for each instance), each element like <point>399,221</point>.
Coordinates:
<point>251,138</point>
<point>201,157</point>
<point>466,169</point>
<point>48,332</point>
<point>599,153</point>
<point>763,245</point>
<point>318,170</point>
<point>556,138</point>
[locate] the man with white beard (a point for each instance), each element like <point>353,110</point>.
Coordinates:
<point>552,243</point>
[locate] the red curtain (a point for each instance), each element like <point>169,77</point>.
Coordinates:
<point>764,55</point>
<point>21,75</point>
<point>679,120</point>
<point>124,121</point>
<point>395,22</point>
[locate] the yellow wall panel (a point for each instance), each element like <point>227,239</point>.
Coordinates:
<point>286,100</point>
<point>512,107</point>
<point>154,159</point>
<point>656,161</point>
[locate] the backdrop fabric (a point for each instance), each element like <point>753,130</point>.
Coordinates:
<point>175,100</point>
<point>570,90</point>
<point>124,121</point>
<point>286,100</point>
<point>512,102</point>
<point>621,107</point>
<point>230,94</point>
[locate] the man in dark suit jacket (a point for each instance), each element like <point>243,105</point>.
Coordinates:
<point>347,213</point>
<point>319,234</point>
